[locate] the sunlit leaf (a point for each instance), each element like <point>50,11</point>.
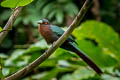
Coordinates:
<point>2,55</point>
<point>103,34</point>
<point>0,29</point>
<point>14,57</point>
<point>79,74</point>
<point>63,63</point>
<point>109,77</point>
<point>5,71</point>
<point>52,63</point>
<point>15,3</point>
<point>17,53</point>
<point>39,76</point>
<point>42,44</point>
<point>62,54</point>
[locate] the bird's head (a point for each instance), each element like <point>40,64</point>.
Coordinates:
<point>43,22</point>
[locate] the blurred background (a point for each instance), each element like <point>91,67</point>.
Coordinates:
<point>98,36</point>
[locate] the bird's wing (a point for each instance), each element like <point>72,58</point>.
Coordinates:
<point>58,31</point>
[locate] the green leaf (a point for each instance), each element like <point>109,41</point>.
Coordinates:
<point>1,74</point>
<point>17,53</point>
<point>95,53</point>
<point>14,57</point>
<point>59,16</point>
<point>5,15</point>
<point>52,74</point>
<point>47,9</point>
<point>101,33</point>
<point>61,54</point>
<point>52,63</point>
<point>41,3</point>
<point>63,1</point>
<point>2,55</point>
<point>66,58</point>
<point>109,77</point>
<point>52,14</point>
<point>15,3</point>
<point>7,43</point>
<point>79,74</point>
<point>71,9</point>
<point>5,71</point>
<point>18,20</point>
<point>42,44</point>
<point>64,63</point>
<point>0,29</point>
<point>32,15</point>
<point>38,76</point>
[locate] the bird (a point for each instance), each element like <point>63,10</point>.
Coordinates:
<point>52,33</point>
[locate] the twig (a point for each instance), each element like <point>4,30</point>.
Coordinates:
<point>9,24</point>
<point>30,67</point>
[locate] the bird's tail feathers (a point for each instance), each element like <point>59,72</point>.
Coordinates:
<point>86,59</point>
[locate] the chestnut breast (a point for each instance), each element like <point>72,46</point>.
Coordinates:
<point>47,33</point>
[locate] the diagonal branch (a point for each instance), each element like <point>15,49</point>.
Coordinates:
<point>9,24</point>
<point>47,53</point>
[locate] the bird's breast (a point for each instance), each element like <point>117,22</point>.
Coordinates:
<point>47,33</point>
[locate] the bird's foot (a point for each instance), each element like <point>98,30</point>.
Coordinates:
<point>53,43</point>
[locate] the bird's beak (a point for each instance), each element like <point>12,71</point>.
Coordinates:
<point>40,22</point>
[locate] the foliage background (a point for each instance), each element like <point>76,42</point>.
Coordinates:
<point>97,35</point>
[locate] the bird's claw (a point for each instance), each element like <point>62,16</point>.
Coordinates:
<point>53,43</point>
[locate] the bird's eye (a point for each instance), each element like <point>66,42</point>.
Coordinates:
<point>45,23</point>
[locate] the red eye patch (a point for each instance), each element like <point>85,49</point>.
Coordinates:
<point>45,23</point>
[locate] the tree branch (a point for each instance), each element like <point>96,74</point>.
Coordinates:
<point>47,53</point>
<point>9,24</point>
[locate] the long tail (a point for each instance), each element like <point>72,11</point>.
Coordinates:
<point>86,58</point>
